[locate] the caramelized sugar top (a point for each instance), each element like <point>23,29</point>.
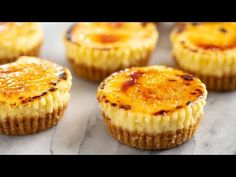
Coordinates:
<point>212,35</point>
<point>29,78</point>
<point>153,90</point>
<point>103,35</point>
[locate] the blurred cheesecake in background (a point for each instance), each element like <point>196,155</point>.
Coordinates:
<point>97,49</point>
<point>19,39</point>
<point>207,50</point>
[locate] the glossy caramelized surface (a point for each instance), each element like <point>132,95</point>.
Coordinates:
<point>105,35</point>
<point>211,35</point>
<point>155,90</point>
<point>29,78</point>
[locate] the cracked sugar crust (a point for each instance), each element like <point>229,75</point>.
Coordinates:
<point>29,79</point>
<point>216,36</point>
<point>155,90</point>
<point>105,36</point>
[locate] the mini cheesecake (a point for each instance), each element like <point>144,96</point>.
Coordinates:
<point>95,50</point>
<point>19,39</point>
<point>33,95</point>
<point>207,50</point>
<point>153,107</point>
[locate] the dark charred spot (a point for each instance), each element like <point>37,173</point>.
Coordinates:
<point>52,89</point>
<point>193,93</point>
<point>187,84</point>
<point>223,30</point>
<point>126,107</point>
<point>53,83</point>
<point>38,96</point>
<point>132,81</point>
<point>161,112</point>
<point>188,77</point>
<point>32,98</point>
<point>106,101</point>
<point>63,76</point>
<point>179,106</point>
<point>44,93</point>
<point>182,42</point>
<point>114,104</point>
<point>24,101</point>
<point>172,80</point>
<point>188,103</point>
<point>199,90</point>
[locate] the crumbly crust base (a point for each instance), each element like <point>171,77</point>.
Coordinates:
<point>144,141</point>
<point>31,125</point>
<point>98,74</point>
<point>214,83</point>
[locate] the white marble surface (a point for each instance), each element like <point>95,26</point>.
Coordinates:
<point>82,131</point>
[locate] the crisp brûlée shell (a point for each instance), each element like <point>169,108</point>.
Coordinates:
<point>100,49</point>
<point>19,39</point>
<point>152,107</point>
<point>34,94</point>
<point>207,50</point>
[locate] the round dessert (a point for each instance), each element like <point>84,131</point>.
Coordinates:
<point>153,107</point>
<point>19,39</point>
<point>33,95</point>
<point>95,50</point>
<point>207,50</point>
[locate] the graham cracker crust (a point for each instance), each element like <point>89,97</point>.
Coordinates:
<point>33,52</point>
<point>97,74</point>
<point>30,125</point>
<point>145,141</point>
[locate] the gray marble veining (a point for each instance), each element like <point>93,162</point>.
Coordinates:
<point>82,131</point>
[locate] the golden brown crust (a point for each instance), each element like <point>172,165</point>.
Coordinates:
<point>35,51</point>
<point>144,141</point>
<point>107,35</point>
<point>97,74</point>
<point>28,79</point>
<point>155,90</point>
<point>30,125</point>
<point>208,36</point>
